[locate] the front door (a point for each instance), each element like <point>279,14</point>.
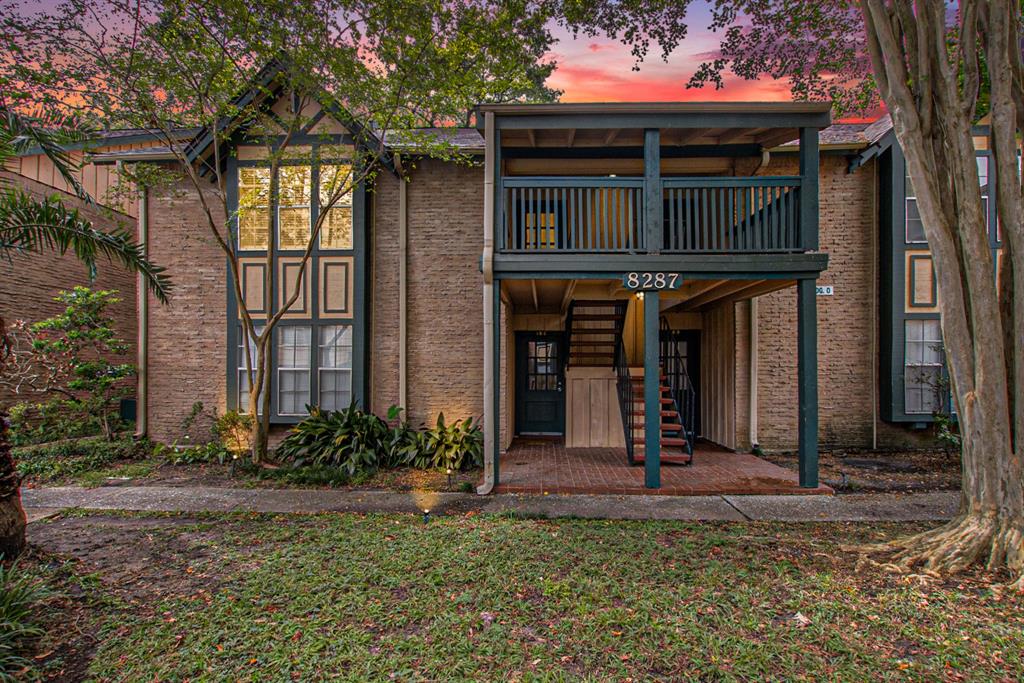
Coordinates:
<point>540,396</point>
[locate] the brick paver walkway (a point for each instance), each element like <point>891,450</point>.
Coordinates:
<point>538,466</point>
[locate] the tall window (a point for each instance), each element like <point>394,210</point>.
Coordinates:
<point>336,231</point>
<point>915,228</point>
<point>924,388</point>
<point>335,366</point>
<point>293,207</point>
<point>244,381</point>
<point>253,207</point>
<point>293,369</point>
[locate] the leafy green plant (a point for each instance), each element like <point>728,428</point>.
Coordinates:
<point>58,418</point>
<point>947,432</point>
<point>19,596</point>
<point>58,460</point>
<point>76,347</point>
<point>349,438</point>
<point>454,446</point>
<point>195,454</point>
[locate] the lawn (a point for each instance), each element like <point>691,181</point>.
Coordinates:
<point>470,597</point>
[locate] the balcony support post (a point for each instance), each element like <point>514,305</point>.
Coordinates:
<point>809,189</point>
<point>807,381</point>
<point>652,391</point>
<point>653,209</point>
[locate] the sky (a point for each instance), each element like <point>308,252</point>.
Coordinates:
<point>600,70</point>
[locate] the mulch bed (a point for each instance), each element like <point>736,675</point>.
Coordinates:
<point>860,471</point>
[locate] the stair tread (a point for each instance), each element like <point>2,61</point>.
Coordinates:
<point>665,441</point>
<point>597,316</point>
<point>593,343</point>
<point>669,458</point>
<point>664,413</point>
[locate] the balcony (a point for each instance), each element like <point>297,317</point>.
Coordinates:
<point>608,215</point>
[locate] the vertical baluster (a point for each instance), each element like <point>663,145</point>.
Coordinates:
<point>691,220</point>
<point>741,216</point>
<point>730,214</point>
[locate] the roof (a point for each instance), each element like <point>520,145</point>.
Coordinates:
<point>853,136</point>
<point>569,108</point>
<point>120,136</point>
<point>462,139</point>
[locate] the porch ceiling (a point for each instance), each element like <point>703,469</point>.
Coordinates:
<point>553,296</point>
<point>613,137</point>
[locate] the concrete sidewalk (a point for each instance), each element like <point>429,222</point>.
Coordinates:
<point>44,502</point>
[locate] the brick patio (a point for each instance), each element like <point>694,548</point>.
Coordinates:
<point>539,466</point>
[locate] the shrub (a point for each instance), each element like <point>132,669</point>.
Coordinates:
<point>19,595</point>
<point>77,345</point>
<point>58,418</point>
<point>350,439</point>
<point>455,446</point>
<point>357,441</point>
<point>229,432</point>
<point>67,458</point>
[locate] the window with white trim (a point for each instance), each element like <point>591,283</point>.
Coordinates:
<point>293,369</point>
<point>915,227</point>
<point>335,367</point>
<point>244,381</point>
<point>924,357</point>
<point>293,207</point>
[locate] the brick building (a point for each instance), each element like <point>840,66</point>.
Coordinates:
<point>750,254</point>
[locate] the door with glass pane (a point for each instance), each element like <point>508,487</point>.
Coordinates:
<point>540,396</point>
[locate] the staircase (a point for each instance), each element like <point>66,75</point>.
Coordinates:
<point>594,328</point>
<point>675,446</point>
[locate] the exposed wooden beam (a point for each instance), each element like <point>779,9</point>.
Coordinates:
<point>536,301</point>
<point>571,137</point>
<point>716,293</point>
<point>531,135</point>
<point>758,289</point>
<point>610,137</point>
<point>687,136</point>
<point>691,289</point>
<point>774,138</point>
<point>570,288</point>
<point>735,134</point>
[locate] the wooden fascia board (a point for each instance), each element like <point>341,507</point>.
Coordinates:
<point>667,120</point>
<point>692,266</point>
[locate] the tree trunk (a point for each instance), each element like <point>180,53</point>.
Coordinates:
<point>932,109</point>
<point>12,515</point>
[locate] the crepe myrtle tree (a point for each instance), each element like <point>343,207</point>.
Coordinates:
<point>936,67</point>
<point>218,65</point>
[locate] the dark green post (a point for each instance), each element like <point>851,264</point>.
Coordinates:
<point>807,381</point>
<point>652,392</point>
<point>653,208</point>
<point>497,381</point>
<point>809,189</point>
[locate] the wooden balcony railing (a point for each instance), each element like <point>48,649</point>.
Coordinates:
<point>593,215</point>
<point>606,215</point>
<point>759,214</point>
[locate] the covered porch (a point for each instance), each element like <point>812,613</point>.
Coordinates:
<point>591,210</point>
<point>546,466</point>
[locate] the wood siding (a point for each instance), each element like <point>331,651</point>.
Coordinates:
<point>718,376</point>
<point>592,417</point>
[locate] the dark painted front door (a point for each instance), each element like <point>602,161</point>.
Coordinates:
<point>687,345</point>
<point>540,395</point>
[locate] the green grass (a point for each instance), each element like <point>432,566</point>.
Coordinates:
<point>386,597</point>
<point>129,470</point>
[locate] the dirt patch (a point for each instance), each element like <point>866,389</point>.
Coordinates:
<point>858,471</point>
<point>135,557</point>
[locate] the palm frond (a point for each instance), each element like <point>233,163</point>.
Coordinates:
<point>50,134</point>
<point>28,224</point>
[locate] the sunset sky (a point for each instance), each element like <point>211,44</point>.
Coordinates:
<point>600,70</point>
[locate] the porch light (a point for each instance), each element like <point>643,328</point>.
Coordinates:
<point>612,175</point>
<point>640,296</point>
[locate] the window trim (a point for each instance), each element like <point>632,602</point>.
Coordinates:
<point>357,315</point>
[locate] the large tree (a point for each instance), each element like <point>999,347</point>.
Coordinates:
<point>935,66</point>
<point>380,65</point>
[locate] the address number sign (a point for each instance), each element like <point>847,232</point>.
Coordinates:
<point>651,281</point>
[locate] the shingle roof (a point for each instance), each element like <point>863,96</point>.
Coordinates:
<point>463,139</point>
<point>855,134</point>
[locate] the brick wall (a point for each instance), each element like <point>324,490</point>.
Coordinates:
<point>445,302</point>
<point>844,322</point>
<point>187,351</point>
<point>28,283</point>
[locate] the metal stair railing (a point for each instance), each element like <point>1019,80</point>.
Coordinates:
<point>681,390</point>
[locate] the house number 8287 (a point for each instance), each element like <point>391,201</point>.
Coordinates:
<point>652,281</point>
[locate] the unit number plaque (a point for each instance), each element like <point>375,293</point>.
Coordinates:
<point>651,281</point>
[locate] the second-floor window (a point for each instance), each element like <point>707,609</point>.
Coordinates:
<point>915,227</point>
